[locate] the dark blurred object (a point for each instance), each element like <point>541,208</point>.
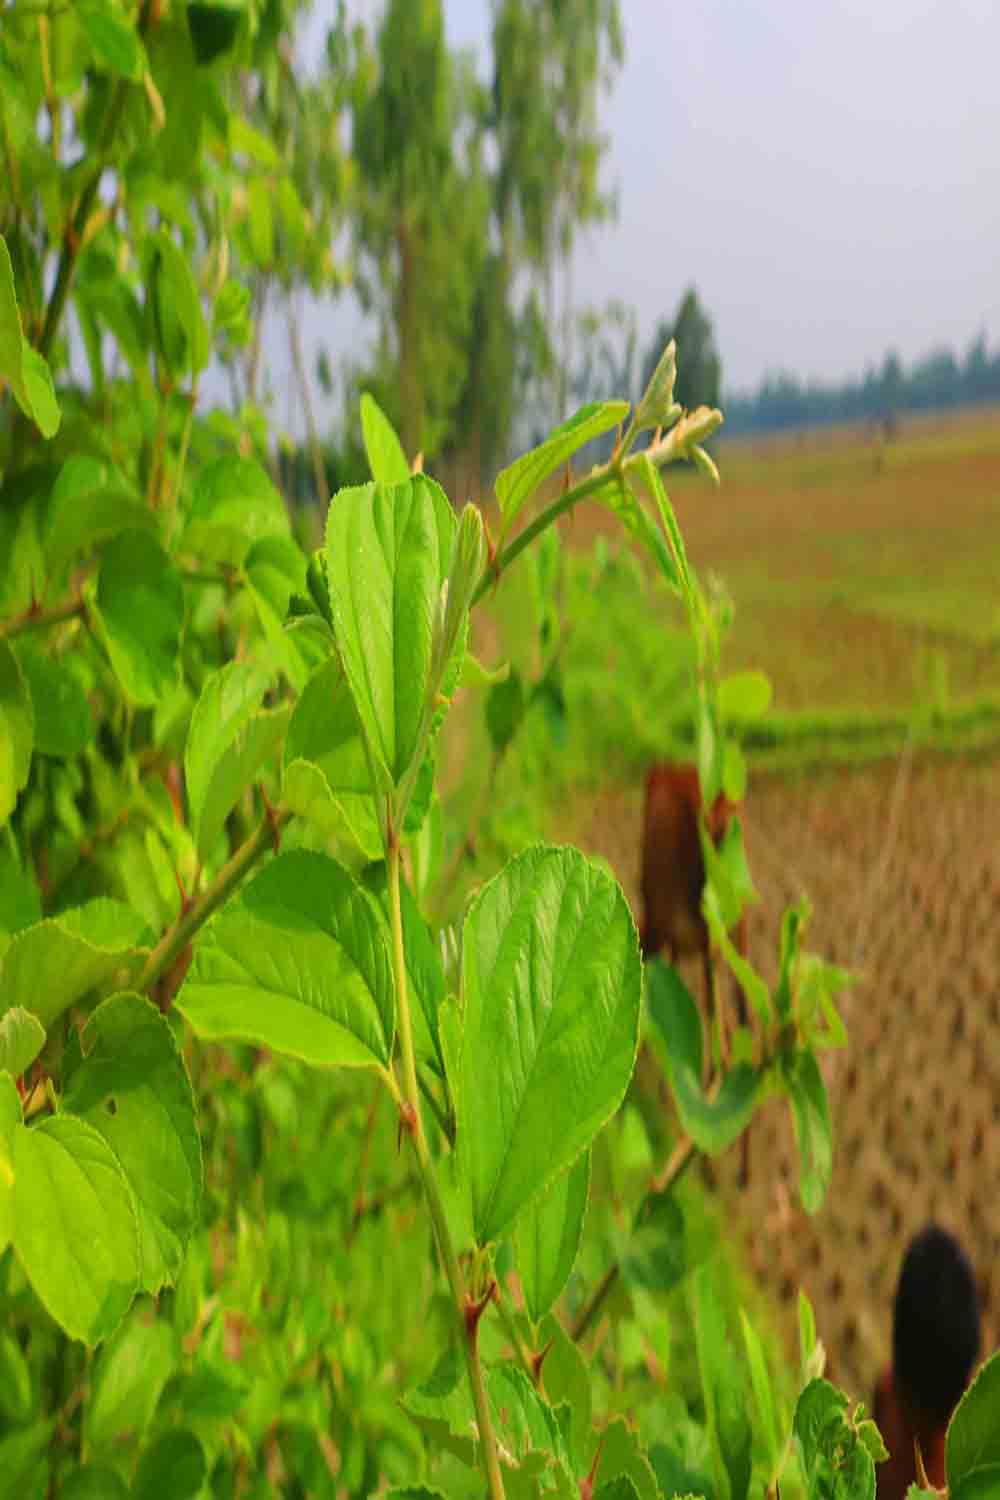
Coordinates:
<point>935,1347</point>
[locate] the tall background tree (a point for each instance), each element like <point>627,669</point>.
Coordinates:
<point>699,369</point>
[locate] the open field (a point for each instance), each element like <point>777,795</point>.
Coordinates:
<point>864,574</point>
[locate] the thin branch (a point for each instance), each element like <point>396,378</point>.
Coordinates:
<point>40,619</point>
<point>176,939</point>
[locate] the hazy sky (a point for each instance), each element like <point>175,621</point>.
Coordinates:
<point>827,172</point>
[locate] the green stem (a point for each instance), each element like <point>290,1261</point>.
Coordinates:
<point>442,1234</point>
<point>41,619</point>
<point>544,519</point>
<point>176,939</point>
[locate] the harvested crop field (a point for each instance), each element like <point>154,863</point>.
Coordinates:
<point>902,864</point>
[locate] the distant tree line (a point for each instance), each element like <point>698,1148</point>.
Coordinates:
<point>936,382</point>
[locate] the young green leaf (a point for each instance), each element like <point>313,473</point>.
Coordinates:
<point>42,403</point>
<point>326,776</point>
<point>297,962</point>
<point>803,1082</point>
<point>548,1235</point>
<point>516,484</point>
<point>713,1124</point>
<point>178,319</point>
<point>140,606</point>
<point>386,458</point>
<point>17,724</point>
<point>972,1447</point>
<point>22,1037</point>
<point>75,1229</point>
<point>505,706</point>
<point>131,1078</point>
<point>229,740</point>
<point>657,407</point>
<point>551,986</point>
<point>389,553</point>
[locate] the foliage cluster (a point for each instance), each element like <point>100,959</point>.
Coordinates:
<point>290,1184</point>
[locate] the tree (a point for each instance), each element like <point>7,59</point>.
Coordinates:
<point>699,370</point>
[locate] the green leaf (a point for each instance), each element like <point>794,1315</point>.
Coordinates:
<point>621,1488</point>
<point>16,731</point>
<point>171,58</point>
<point>23,1470</point>
<point>260,221</point>
<point>505,706</point>
<point>745,695</point>
<point>49,966</point>
<point>725,1398</point>
<point>16,1398</point>
<point>133,1088</point>
<point>233,506</point>
<point>11,337</point>
<point>516,484</point>
<point>178,319</point>
<point>835,1459</point>
<point>229,740</point>
<point>621,499</point>
<point>622,1454</point>
<point>568,1380</point>
<point>524,1422</point>
<point>681,569</point>
<point>214,26</point>
<point>551,985</point>
<point>297,962</point>
<point>174,1465</point>
<point>128,1378</point>
<point>90,502</point>
<point>93,1482</point>
<point>804,1085</point>
<point>10,1123</point>
<point>63,722</point>
<point>388,555</point>
<point>548,1237</point>
<point>22,367</point>
<point>326,775</point>
<point>115,45</point>
<point>662,1249</point>
<point>386,458</point>
<point>244,140</point>
<point>713,1124</point>
<point>140,603</point>
<point>973,1442</point>
<point>22,1037</point>
<point>20,903</point>
<point>75,1229</point>
<point>760,1379</point>
<point>42,404</point>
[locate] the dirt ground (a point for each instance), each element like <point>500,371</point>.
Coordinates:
<point>902,865</point>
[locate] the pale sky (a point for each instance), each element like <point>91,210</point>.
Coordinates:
<point>827,173</point>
